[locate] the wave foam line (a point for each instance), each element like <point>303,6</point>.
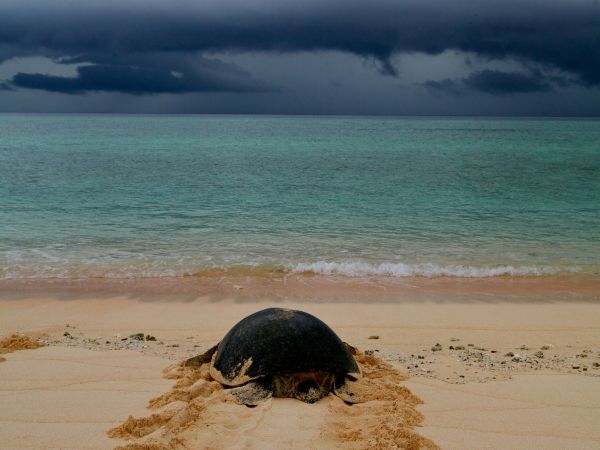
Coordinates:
<point>348,269</point>
<point>356,269</point>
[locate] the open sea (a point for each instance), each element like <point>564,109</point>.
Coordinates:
<point>133,196</point>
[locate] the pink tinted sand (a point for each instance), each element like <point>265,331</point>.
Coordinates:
<point>68,394</point>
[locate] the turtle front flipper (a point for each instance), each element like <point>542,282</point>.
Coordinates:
<point>197,361</point>
<point>344,391</point>
<point>253,393</point>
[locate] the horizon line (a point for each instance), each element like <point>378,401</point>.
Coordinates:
<point>458,116</point>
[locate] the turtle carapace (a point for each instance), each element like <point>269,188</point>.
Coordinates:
<point>283,353</point>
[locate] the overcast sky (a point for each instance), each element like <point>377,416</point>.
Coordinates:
<point>419,57</point>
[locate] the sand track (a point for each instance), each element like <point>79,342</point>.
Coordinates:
<point>199,413</point>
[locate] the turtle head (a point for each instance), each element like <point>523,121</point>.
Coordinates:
<point>306,386</point>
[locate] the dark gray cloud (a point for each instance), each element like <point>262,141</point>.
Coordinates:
<point>546,35</point>
<point>500,83</point>
<point>148,74</point>
<point>495,82</point>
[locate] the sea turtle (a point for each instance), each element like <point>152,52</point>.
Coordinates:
<point>282,353</point>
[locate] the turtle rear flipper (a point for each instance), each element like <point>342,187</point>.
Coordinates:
<point>253,393</point>
<point>344,391</point>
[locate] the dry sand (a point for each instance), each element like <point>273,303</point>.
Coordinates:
<point>531,411</point>
<point>90,379</point>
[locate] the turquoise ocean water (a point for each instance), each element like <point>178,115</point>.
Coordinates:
<point>150,196</point>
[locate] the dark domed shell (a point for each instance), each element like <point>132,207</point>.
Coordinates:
<point>277,341</point>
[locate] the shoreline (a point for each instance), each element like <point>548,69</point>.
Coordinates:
<point>317,288</point>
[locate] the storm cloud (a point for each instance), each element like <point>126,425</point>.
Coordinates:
<point>497,82</point>
<point>145,75</point>
<point>139,46</point>
<point>494,82</point>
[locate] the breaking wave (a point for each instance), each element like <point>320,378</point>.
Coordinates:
<point>356,269</point>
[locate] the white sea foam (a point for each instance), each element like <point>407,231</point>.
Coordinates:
<point>155,269</point>
<point>355,269</point>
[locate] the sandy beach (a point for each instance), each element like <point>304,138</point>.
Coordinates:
<point>491,371</point>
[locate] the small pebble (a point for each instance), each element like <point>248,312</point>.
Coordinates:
<point>374,337</point>
<point>539,354</point>
<point>436,348</point>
